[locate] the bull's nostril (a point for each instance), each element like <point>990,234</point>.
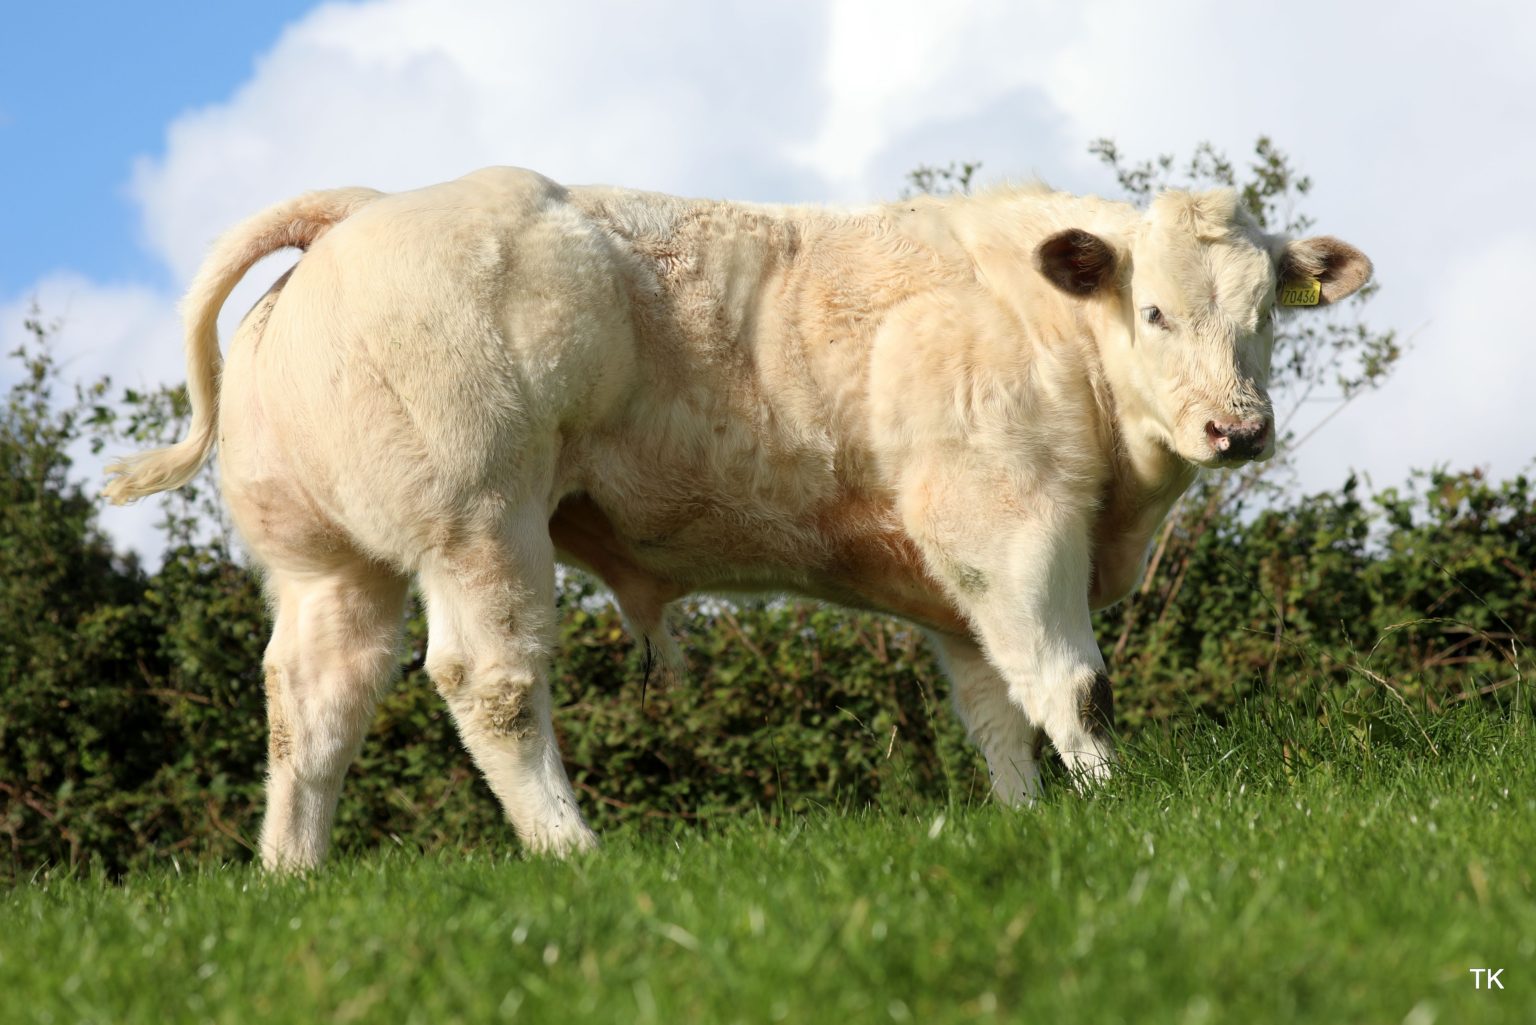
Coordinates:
<point>1217,436</point>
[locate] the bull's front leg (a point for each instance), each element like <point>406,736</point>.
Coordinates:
<point>1024,584</point>
<point>994,721</point>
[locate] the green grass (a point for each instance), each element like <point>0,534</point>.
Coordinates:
<point>1279,868</point>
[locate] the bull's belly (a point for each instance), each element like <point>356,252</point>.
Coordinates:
<point>717,551</point>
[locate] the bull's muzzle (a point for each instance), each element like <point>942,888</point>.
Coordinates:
<point>1234,440</point>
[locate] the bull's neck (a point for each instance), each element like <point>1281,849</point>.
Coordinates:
<point>1144,479</point>
<point>1145,470</point>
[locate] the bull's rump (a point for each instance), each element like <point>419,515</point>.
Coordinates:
<point>423,359</point>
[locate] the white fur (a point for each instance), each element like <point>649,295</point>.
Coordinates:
<point>889,408</point>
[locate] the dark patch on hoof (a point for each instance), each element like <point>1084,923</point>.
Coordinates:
<point>1098,709</point>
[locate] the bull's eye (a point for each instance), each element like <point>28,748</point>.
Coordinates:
<point>1154,316</point>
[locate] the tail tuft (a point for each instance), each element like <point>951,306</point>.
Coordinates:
<point>165,469</point>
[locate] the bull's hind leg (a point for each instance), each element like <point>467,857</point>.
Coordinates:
<point>333,649</point>
<point>995,721</point>
<point>490,622</point>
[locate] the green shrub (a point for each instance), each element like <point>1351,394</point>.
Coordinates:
<point>1423,593</point>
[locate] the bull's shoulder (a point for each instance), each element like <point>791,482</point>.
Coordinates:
<point>959,367</point>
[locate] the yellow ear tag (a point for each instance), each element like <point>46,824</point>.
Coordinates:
<point>1305,292</point>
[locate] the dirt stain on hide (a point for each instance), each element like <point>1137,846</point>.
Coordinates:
<point>507,712</point>
<point>968,579</point>
<point>279,730</point>
<point>448,679</point>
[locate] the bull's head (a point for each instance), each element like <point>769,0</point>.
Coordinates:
<point>1195,285</point>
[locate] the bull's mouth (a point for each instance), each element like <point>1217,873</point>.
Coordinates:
<point>1238,440</point>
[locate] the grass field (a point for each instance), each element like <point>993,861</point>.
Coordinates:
<point>1275,869</point>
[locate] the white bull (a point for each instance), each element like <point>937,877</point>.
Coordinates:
<point>971,413</point>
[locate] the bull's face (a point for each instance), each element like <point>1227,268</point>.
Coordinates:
<point>1197,286</point>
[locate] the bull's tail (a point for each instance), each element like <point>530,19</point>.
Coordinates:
<point>296,222</point>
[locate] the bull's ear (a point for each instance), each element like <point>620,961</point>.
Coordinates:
<point>1076,261</point>
<point>1338,267</point>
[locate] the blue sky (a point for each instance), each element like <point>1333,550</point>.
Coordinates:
<point>133,134</point>
<point>84,89</point>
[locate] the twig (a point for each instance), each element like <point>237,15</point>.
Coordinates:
<point>1483,691</point>
<point>165,693</point>
<point>29,801</point>
<point>226,828</point>
<point>741,634</point>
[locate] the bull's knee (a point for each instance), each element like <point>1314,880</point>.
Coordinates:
<point>499,702</point>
